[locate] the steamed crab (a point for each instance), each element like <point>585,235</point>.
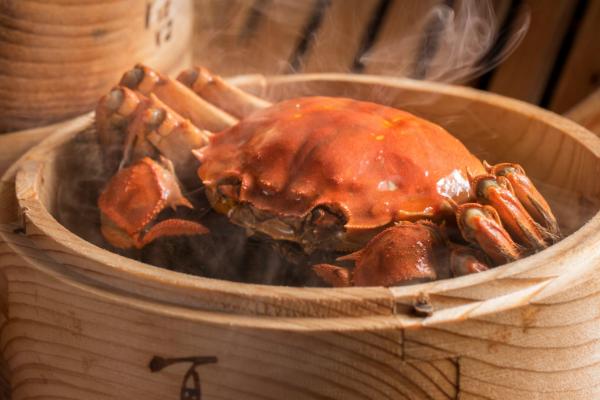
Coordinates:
<point>380,184</point>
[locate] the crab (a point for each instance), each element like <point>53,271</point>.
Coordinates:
<point>399,196</point>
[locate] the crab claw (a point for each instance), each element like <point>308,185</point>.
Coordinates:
<point>334,275</point>
<point>529,197</point>
<point>405,253</point>
<point>133,199</point>
<point>498,193</point>
<point>481,226</point>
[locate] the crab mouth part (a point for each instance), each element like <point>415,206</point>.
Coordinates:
<point>323,227</point>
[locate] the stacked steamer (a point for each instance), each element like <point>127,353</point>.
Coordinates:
<point>59,56</point>
<point>81,322</point>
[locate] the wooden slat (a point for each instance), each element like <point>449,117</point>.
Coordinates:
<point>587,113</point>
<point>501,13</point>
<point>401,36</point>
<point>338,40</point>
<point>525,73</point>
<point>219,25</point>
<point>581,74</point>
<point>279,28</point>
<point>501,8</point>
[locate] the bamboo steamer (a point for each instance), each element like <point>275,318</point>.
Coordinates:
<point>81,322</point>
<point>59,56</point>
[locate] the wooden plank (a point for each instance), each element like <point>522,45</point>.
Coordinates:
<point>525,73</point>
<point>501,12</point>
<point>339,39</point>
<point>587,113</point>
<point>279,29</point>
<point>581,75</point>
<point>395,49</point>
<point>218,26</point>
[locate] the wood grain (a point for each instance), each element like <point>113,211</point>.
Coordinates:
<point>242,36</point>
<point>399,39</point>
<point>84,323</point>
<point>58,57</point>
<point>581,74</point>
<point>587,112</point>
<point>279,29</point>
<point>13,145</point>
<point>219,27</point>
<point>338,40</point>
<point>524,75</point>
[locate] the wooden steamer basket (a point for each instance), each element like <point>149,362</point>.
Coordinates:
<point>59,56</point>
<point>81,322</point>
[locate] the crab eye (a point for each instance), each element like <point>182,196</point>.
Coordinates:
<point>230,187</point>
<point>327,215</point>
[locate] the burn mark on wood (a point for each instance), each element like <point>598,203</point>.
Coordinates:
<point>191,388</point>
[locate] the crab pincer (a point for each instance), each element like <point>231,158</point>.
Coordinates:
<point>406,253</point>
<point>133,199</point>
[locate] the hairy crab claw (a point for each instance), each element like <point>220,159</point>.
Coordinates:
<point>133,199</point>
<point>291,171</point>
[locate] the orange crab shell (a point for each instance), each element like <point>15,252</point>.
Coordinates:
<point>376,163</point>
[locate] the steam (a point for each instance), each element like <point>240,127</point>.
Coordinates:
<point>452,44</point>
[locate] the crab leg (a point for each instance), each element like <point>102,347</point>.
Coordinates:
<point>114,110</point>
<point>529,196</point>
<point>179,97</point>
<point>173,136</point>
<point>133,126</point>
<point>481,226</point>
<point>220,93</point>
<point>146,124</point>
<point>497,193</point>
